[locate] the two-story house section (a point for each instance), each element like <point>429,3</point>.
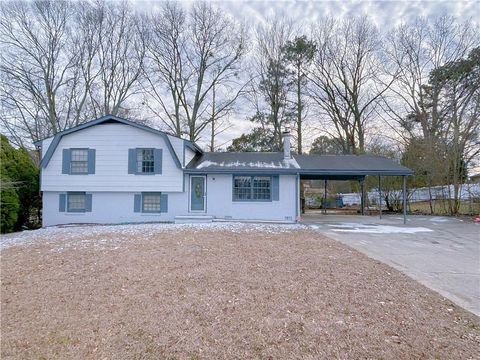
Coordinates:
<point>112,170</point>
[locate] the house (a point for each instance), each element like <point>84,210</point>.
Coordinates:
<point>112,170</point>
<point>475,175</point>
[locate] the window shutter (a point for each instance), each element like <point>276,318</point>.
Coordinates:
<point>157,158</point>
<point>88,202</point>
<point>137,203</point>
<point>91,161</point>
<point>163,203</point>
<point>275,188</point>
<point>132,161</point>
<point>62,200</point>
<point>66,161</point>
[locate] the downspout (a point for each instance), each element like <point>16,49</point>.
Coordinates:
<point>404,193</point>
<point>297,198</point>
<point>380,196</point>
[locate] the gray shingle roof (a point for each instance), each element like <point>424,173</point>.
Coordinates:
<point>361,164</point>
<point>228,161</point>
<point>356,165</point>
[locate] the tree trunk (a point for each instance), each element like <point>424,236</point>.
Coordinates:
<point>212,135</point>
<point>299,110</point>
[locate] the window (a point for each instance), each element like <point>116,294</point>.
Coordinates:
<point>257,188</point>
<point>261,188</point>
<point>151,202</point>
<point>76,202</point>
<point>242,188</point>
<point>145,161</point>
<point>79,161</point>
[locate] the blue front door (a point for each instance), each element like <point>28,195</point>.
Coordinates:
<point>197,193</point>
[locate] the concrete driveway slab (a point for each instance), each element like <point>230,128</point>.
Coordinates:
<point>442,253</point>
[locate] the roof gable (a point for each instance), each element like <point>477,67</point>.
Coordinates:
<point>105,120</point>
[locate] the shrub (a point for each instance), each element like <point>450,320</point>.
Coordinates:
<point>20,180</point>
<point>9,206</point>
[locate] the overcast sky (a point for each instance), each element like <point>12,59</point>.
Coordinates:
<point>385,14</point>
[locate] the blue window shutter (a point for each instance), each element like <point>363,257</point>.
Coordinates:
<point>163,203</point>
<point>275,188</point>
<point>91,161</point>
<point>66,161</point>
<point>62,200</point>
<point>132,161</point>
<point>137,203</point>
<point>157,158</point>
<point>88,202</point>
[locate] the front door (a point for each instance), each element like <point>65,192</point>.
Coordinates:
<point>197,193</point>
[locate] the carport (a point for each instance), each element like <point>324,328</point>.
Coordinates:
<point>353,167</point>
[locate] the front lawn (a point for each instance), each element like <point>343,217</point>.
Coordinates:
<point>215,292</point>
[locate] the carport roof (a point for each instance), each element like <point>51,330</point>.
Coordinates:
<point>311,166</point>
<point>350,164</point>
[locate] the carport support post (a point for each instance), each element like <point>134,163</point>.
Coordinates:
<point>325,198</point>
<point>380,195</point>
<point>404,194</point>
<point>362,196</point>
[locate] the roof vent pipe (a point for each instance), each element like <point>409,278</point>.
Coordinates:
<point>286,144</point>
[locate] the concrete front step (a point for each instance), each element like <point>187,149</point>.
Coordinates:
<point>191,219</point>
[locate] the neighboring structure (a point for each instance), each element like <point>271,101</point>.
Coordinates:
<point>475,175</point>
<point>111,170</point>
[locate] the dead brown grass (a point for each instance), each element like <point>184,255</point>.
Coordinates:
<point>222,295</point>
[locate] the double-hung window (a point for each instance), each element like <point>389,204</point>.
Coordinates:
<point>79,161</point>
<point>151,202</point>
<point>261,188</point>
<point>76,202</point>
<point>256,188</point>
<point>145,161</point>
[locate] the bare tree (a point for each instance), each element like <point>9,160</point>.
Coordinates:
<point>164,66</point>
<point>415,50</point>
<point>459,96</point>
<point>120,56</point>
<point>37,62</point>
<point>63,63</point>
<point>219,115</point>
<point>299,53</point>
<point>272,83</point>
<point>347,78</point>
<point>434,100</point>
<point>189,55</point>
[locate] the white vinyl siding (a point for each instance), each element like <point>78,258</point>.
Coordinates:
<point>177,145</point>
<point>118,206</point>
<point>112,143</point>
<point>189,155</point>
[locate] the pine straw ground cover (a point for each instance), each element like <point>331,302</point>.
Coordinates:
<point>239,292</point>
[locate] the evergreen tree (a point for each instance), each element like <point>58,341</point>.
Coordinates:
<point>20,202</point>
